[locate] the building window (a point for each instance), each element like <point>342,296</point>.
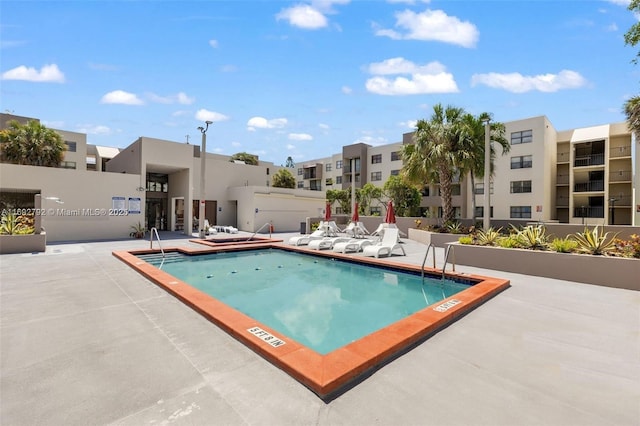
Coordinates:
<point>71,146</point>
<point>375,211</point>
<point>395,172</point>
<point>376,176</point>
<point>457,212</point>
<point>520,186</point>
<point>338,180</point>
<point>300,184</point>
<point>395,156</point>
<point>479,189</point>
<point>524,136</point>
<point>300,171</point>
<point>68,165</point>
<point>328,182</point>
<point>455,190</point>
<point>522,162</point>
<point>327,167</point>
<point>339,164</point>
<point>425,191</point>
<point>375,159</point>
<point>480,211</point>
<point>520,212</point>
<point>339,210</point>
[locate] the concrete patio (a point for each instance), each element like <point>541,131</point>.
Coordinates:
<point>86,340</point>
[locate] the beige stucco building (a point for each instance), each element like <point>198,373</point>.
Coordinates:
<point>587,175</point>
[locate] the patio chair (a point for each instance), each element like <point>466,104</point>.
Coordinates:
<point>352,246</point>
<point>303,240</point>
<point>390,242</point>
<point>327,242</point>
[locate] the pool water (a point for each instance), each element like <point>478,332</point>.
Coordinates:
<point>320,302</point>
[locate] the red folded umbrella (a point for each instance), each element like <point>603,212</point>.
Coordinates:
<point>327,212</point>
<point>391,216</point>
<point>355,217</point>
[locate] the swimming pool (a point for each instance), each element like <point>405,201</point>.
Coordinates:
<point>330,373</point>
<point>322,303</point>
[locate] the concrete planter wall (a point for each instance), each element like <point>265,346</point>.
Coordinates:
<point>600,270</point>
<point>23,243</point>
<point>437,238</point>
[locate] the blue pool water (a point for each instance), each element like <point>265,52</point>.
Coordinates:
<point>321,303</point>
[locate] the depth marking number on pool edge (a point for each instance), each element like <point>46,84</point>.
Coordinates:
<point>447,305</point>
<point>269,338</point>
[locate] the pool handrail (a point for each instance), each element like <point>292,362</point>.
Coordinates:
<point>430,246</point>
<point>154,229</point>
<point>260,229</point>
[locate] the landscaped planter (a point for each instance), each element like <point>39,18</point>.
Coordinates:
<point>23,243</point>
<point>438,239</point>
<point>606,271</point>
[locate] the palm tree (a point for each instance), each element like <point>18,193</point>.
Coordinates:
<point>632,111</point>
<point>31,144</point>
<point>473,160</point>
<point>437,152</point>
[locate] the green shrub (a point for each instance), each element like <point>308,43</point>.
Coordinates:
<point>594,242</point>
<point>467,239</point>
<point>488,237</point>
<point>508,242</point>
<point>454,227</point>
<point>532,237</point>
<point>563,245</point>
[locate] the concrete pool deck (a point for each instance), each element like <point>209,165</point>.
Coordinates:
<point>84,339</point>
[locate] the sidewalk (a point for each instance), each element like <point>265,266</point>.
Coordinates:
<point>86,340</point>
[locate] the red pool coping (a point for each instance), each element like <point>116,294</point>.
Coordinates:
<point>332,374</point>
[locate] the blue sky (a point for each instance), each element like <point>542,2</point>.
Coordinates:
<point>302,79</point>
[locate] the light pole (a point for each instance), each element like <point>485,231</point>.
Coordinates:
<point>203,162</point>
<point>612,203</point>
<point>486,222</point>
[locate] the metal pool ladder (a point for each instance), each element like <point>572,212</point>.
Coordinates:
<point>260,229</point>
<point>154,230</point>
<point>446,259</point>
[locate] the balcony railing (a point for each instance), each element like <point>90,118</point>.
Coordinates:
<point>564,157</point>
<point>562,179</point>
<point>562,201</point>
<point>591,186</point>
<point>620,151</point>
<point>589,160</point>
<point>588,211</point>
<point>620,176</point>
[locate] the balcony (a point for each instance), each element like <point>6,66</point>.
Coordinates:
<point>562,201</point>
<point>620,201</point>
<point>620,151</point>
<point>620,176</point>
<point>562,179</point>
<point>589,160</point>
<point>591,186</point>
<point>564,157</point>
<point>585,211</point>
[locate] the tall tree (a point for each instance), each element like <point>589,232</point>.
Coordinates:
<point>31,144</point>
<point>290,164</point>
<point>369,193</point>
<point>632,38</point>
<point>406,197</point>
<point>474,146</point>
<point>284,179</point>
<point>246,157</point>
<point>342,196</point>
<point>437,152</point>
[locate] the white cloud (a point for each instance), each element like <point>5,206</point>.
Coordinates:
<point>263,123</point>
<point>410,2</point>
<point>290,147</point>
<point>518,83</point>
<point>324,126</point>
<point>300,137</point>
<point>612,27</point>
<point>121,97</point>
<point>370,140</point>
<point>624,3</point>
<point>303,16</point>
<point>346,90</point>
<point>205,115</point>
<point>432,25</point>
<point>93,129</point>
<point>236,144</point>
<point>430,78</point>
<point>180,113</point>
<point>409,124</point>
<point>180,98</point>
<point>213,43</point>
<point>47,74</point>
<point>228,68</point>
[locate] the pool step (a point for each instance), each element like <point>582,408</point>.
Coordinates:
<point>157,259</point>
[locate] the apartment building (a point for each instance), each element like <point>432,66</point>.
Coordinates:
<point>586,175</point>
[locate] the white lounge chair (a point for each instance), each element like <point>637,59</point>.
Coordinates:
<point>384,226</point>
<point>352,246</point>
<point>303,240</point>
<point>390,242</point>
<point>327,242</point>
<point>356,230</point>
